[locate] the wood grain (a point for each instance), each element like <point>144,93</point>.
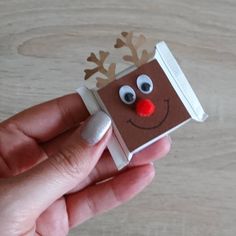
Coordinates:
<point>43,47</point>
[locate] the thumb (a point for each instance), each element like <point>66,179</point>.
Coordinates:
<point>41,186</point>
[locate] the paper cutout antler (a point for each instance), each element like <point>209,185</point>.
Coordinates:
<point>126,40</point>
<point>99,61</point>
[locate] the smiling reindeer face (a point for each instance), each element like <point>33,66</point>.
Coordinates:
<point>142,104</point>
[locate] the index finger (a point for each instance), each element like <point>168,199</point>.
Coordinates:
<point>47,120</point>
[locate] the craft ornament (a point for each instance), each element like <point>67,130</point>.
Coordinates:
<point>145,102</point>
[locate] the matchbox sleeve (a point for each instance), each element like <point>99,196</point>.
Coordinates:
<point>161,84</point>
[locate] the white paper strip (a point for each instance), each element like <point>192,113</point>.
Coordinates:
<point>88,99</point>
<point>179,82</point>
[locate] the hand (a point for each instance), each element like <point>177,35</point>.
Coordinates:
<point>51,167</point>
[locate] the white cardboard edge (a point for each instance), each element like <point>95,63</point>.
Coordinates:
<point>179,81</point>
<point>88,99</point>
<point>113,145</point>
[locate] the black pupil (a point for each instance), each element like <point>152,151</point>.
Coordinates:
<point>129,97</point>
<point>145,87</point>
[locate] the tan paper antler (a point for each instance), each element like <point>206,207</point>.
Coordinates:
<point>126,40</point>
<point>109,73</point>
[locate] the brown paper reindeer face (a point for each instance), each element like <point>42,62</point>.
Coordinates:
<point>142,104</point>
<point>152,105</point>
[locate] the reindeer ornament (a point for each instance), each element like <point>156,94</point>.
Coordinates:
<point>145,102</point>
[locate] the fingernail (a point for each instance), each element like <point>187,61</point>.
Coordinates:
<point>169,138</point>
<point>95,128</point>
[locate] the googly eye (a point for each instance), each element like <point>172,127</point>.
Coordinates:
<point>127,94</point>
<point>144,84</point>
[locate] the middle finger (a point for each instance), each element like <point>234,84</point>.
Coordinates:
<point>105,167</point>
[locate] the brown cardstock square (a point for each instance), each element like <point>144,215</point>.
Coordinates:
<point>135,130</point>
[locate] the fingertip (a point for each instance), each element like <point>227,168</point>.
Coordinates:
<point>147,172</point>
<point>108,134</point>
<point>133,181</point>
<point>162,147</point>
<point>103,142</point>
<point>152,153</point>
<point>165,145</point>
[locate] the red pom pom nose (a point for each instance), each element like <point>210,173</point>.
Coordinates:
<point>145,107</point>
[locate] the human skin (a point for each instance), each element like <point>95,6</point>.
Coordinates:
<point>50,178</point>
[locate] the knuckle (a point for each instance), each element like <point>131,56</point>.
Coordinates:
<point>69,162</point>
<point>92,204</point>
<point>9,204</point>
<point>116,196</point>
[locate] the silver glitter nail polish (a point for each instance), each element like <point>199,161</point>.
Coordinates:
<point>95,128</point>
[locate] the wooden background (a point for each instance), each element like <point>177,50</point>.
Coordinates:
<point>43,47</point>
